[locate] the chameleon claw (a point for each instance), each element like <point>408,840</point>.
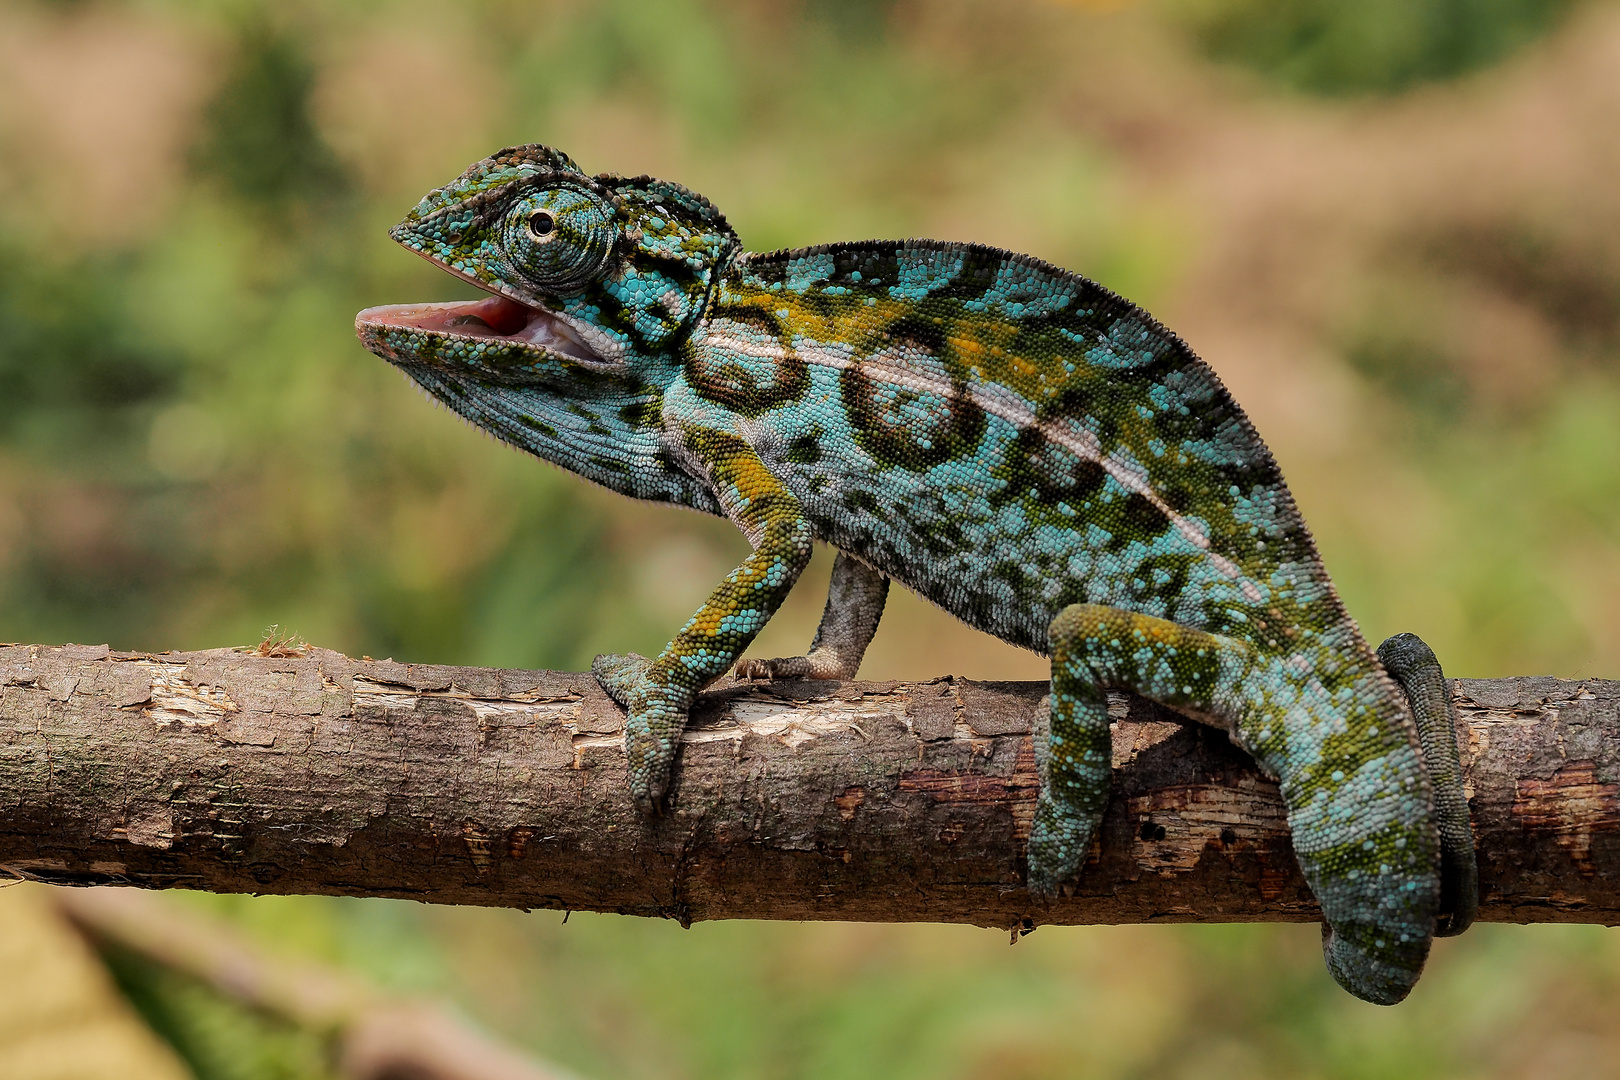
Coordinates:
<point>650,758</point>
<point>647,804</point>
<point>1058,842</point>
<point>753,668</point>
<point>819,664</point>
<point>785,667</point>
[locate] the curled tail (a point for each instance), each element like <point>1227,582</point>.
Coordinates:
<point>1361,813</point>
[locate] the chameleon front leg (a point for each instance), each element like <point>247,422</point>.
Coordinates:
<point>658,693</point>
<point>855,601</point>
<point>1358,802</point>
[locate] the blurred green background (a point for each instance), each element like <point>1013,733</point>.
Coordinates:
<point>1392,227</point>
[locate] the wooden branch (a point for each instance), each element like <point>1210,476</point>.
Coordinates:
<point>861,801</point>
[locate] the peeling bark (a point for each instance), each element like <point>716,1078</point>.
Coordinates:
<point>811,800</point>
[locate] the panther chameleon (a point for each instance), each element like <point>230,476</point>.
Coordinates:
<point>1016,443</point>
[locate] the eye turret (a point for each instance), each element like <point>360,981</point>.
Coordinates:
<point>561,238</point>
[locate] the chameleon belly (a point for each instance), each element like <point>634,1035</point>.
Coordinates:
<point>1026,449</point>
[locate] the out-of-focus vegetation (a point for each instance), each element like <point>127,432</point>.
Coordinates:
<point>1373,46</point>
<point>60,1015</point>
<point>217,1038</point>
<point>1415,295</point>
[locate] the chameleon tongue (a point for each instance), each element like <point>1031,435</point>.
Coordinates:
<point>504,316</point>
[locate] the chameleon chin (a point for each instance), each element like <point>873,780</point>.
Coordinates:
<point>1028,450</point>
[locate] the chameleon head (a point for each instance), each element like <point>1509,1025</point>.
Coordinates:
<point>595,283</point>
<point>587,273</point>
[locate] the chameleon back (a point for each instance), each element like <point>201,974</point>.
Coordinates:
<point>1007,439</point>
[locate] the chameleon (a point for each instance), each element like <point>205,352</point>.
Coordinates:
<point>1014,442</point>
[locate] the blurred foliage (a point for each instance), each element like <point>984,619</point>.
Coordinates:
<point>195,447</point>
<point>609,996</point>
<point>1370,46</point>
<point>217,1038</point>
<point>79,385</point>
<point>259,139</point>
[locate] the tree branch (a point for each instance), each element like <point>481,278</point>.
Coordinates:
<point>317,773</point>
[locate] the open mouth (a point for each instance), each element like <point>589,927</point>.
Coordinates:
<point>494,318</point>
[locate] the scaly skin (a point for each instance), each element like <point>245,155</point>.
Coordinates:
<point>1019,445</point>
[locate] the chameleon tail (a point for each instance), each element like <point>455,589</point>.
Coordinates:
<point>1374,945</point>
<point>1361,813</point>
<point>1414,666</point>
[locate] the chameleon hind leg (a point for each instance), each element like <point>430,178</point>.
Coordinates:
<point>1094,648</point>
<point>1414,666</point>
<point>855,599</point>
<point>1358,806</point>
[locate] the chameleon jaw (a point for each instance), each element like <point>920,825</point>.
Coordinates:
<point>495,318</point>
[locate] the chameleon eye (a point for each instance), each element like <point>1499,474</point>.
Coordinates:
<point>561,238</point>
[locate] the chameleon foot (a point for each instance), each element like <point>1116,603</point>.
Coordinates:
<point>817,664</point>
<point>620,674</point>
<point>1059,838</point>
<point>1073,745</point>
<point>854,605</point>
<point>652,727</point>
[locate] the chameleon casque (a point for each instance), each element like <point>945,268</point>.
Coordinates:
<point>1024,448</point>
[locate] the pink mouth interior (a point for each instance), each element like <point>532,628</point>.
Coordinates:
<point>504,316</point>
<point>492,318</point>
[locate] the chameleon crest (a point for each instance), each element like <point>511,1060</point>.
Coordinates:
<point>1021,446</point>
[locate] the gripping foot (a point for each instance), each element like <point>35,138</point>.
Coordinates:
<point>854,605</point>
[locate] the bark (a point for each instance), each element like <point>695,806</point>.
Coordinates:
<point>318,773</point>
